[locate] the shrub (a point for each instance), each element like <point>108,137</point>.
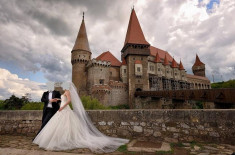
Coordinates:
<point>227,84</point>
<point>33,106</point>
<point>91,103</point>
<point>14,103</point>
<point>2,105</point>
<point>122,106</point>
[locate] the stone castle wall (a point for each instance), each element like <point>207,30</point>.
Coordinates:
<point>118,96</point>
<point>215,126</point>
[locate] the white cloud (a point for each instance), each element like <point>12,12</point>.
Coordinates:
<point>39,35</point>
<point>12,84</point>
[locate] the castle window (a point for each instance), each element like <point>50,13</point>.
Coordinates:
<point>100,69</point>
<point>101,81</point>
<point>158,69</point>
<point>151,68</point>
<point>110,73</point>
<point>124,70</point>
<point>138,69</point>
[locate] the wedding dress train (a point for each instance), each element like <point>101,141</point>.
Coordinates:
<point>70,129</point>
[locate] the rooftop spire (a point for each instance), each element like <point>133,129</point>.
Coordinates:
<point>198,61</point>
<point>181,67</point>
<point>174,64</point>
<point>81,42</point>
<point>157,58</point>
<point>134,33</point>
<point>166,62</point>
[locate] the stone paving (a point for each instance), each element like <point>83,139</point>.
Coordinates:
<point>22,145</point>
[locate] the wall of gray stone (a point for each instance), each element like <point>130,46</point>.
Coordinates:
<point>118,96</point>
<point>171,125</point>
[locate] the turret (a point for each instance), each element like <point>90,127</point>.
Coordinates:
<point>81,55</point>
<point>199,67</point>
<point>136,51</point>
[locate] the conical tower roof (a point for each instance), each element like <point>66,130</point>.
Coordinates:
<point>81,42</point>
<point>157,58</point>
<point>166,62</point>
<point>181,67</point>
<point>134,33</point>
<point>174,64</point>
<point>198,61</point>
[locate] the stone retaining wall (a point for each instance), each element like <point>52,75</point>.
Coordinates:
<point>170,125</point>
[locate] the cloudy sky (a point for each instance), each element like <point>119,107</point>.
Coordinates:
<point>37,36</point>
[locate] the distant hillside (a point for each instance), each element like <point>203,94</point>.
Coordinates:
<point>226,84</point>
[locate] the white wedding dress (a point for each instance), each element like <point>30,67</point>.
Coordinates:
<point>70,129</point>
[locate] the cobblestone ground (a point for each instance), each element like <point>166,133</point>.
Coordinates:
<point>22,145</point>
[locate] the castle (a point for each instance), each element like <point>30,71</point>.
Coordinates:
<point>143,67</point>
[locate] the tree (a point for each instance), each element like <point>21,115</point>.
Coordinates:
<point>14,103</point>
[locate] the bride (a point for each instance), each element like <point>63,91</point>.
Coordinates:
<point>70,129</point>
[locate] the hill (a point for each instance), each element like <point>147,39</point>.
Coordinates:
<point>226,84</point>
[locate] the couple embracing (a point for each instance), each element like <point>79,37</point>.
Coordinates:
<point>65,129</point>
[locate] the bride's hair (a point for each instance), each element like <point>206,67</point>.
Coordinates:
<point>65,85</point>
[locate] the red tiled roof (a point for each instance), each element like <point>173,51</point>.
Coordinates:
<point>123,61</point>
<point>157,58</point>
<point>161,53</point>
<point>198,61</point>
<point>197,77</point>
<point>174,64</point>
<point>166,62</point>
<point>134,32</point>
<point>181,67</point>
<point>138,62</point>
<point>108,56</point>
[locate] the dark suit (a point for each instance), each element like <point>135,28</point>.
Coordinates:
<point>49,112</point>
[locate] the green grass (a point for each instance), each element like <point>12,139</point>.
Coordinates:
<point>122,148</point>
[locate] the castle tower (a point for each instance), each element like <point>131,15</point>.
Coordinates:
<point>81,55</point>
<point>135,51</point>
<point>199,67</point>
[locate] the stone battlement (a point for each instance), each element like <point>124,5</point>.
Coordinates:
<point>95,62</point>
<point>117,84</point>
<point>171,125</point>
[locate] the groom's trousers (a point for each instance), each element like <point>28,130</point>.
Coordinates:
<point>48,114</point>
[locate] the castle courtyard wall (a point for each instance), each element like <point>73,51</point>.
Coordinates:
<point>215,125</point>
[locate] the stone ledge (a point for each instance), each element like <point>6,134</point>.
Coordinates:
<point>207,125</point>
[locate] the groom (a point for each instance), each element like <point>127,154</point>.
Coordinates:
<point>51,103</point>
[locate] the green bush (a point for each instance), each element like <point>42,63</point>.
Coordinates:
<point>33,106</point>
<point>198,105</point>
<point>123,106</point>
<point>91,103</point>
<point>2,105</point>
<point>227,84</point>
<point>14,103</point>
